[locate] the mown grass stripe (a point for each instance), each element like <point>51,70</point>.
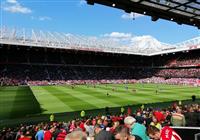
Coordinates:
<point>128,94</point>
<point>49,103</point>
<point>97,100</point>
<point>113,97</point>
<point>19,102</point>
<point>80,103</point>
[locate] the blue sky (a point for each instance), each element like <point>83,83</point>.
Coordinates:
<point>76,17</point>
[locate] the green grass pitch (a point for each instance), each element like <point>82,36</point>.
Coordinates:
<point>22,101</point>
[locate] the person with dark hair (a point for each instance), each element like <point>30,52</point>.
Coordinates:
<point>25,135</point>
<point>122,133</point>
<point>101,134</point>
<point>139,118</point>
<point>61,135</point>
<point>166,133</point>
<point>49,133</point>
<point>89,127</point>
<point>191,117</point>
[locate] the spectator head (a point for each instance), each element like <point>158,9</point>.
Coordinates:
<point>191,109</point>
<point>23,132</point>
<point>121,133</point>
<point>77,123</point>
<point>99,121</point>
<point>52,129</point>
<point>154,119</point>
<point>88,122</point>
<point>178,110</point>
<point>115,124</point>
<point>154,133</point>
<point>73,122</point>
<point>129,121</point>
<point>105,122</point>
<point>97,128</point>
<point>76,135</point>
<point>138,113</point>
<point>94,122</point>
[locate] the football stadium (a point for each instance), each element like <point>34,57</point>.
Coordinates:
<point>66,86</point>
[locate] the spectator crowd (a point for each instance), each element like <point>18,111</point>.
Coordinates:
<point>143,124</point>
<point>52,75</point>
<point>39,66</point>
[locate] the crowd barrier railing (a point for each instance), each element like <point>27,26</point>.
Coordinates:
<point>188,133</point>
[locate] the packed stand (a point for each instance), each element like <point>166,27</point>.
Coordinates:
<point>144,124</point>
<point>171,81</point>
<point>179,73</point>
<point>40,66</point>
<point>57,75</point>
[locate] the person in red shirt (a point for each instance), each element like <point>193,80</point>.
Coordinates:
<point>159,116</point>
<point>48,133</point>
<point>82,126</point>
<point>166,133</point>
<point>25,135</point>
<point>62,135</point>
<point>25,138</point>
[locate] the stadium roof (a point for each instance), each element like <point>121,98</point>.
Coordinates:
<point>145,45</point>
<point>179,11</point>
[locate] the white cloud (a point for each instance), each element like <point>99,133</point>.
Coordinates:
<point>11,1</point>
<point>131,16</point>
<point>41,18</point>
<point>15,7</point>
<point>139,44</point>
<point>118,35</point>
<point>82,2</point>
<point>122,38</point>
<point>127,37</point>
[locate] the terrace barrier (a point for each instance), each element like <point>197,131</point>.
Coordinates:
<point>188,133</point>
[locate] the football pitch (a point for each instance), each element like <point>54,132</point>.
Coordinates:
<point>23,100</point>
